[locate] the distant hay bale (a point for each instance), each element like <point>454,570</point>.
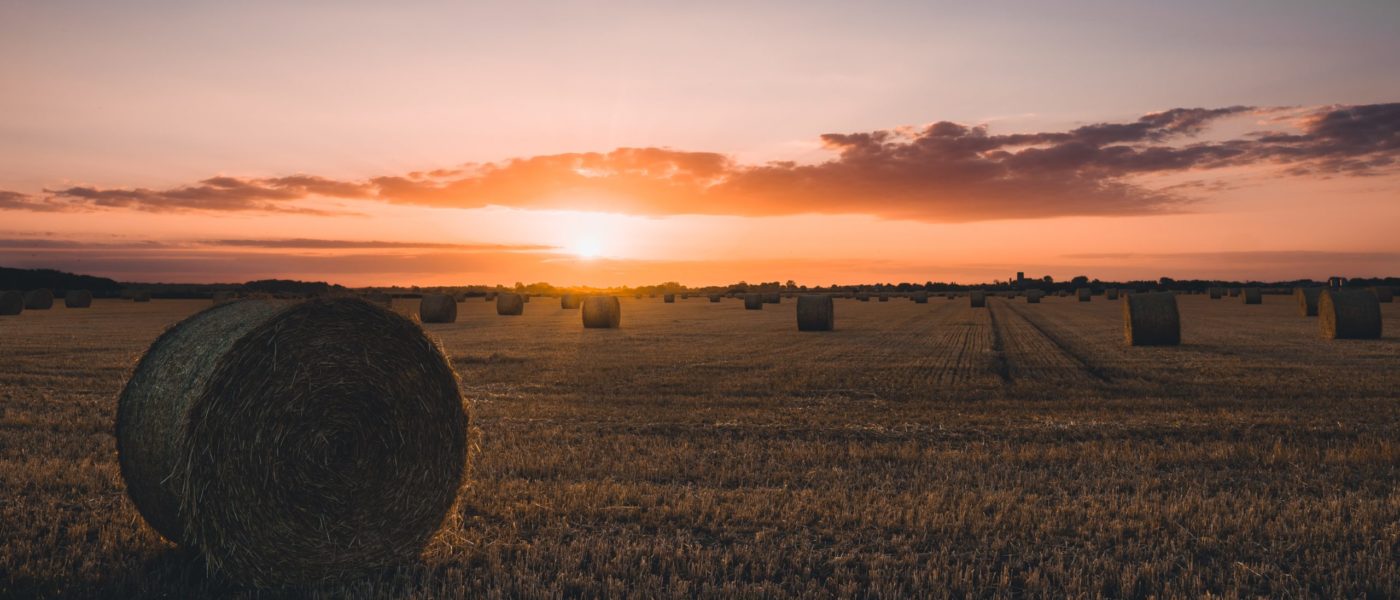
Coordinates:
<point>1033,296</point>
<point>884,297</point>
<point>1110,294</point>
<point>294,443</point>
<point>141,296</point>
<point>490,297</point>
<point>570,301</point>
<point>919,297</point>
<point>1307,300</point>
<point>1151,320</point>
<point>1252,296</point>
<point>1349,315</point>
<point>1383,294</point>
<point>1084,294</point>
<point>1234,292</point>
<point>685,296</point>
<point>437,308</point>
<point>669,298</point>
<point>715,297</point>
<point>863,296</point>
<point>1216,293</point>
<point>1063,294</point>
<point>815,312</point>
<point>602,312</point>
<point>753,301</point>
<point>509,304</point>
<point>380,298</point>
<point>772,298</point>
<point>77,299</point>
<point>11,303</point>
<point>637,297</point>
<point>222,297</point>
<point>978,299</point>
<point>38,300</point>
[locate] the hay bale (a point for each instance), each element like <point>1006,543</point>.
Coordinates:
<point>1151,320</point>
<point>978,299</point>
<point>1234,292</point>
<point>222,297</point>
<point>1252,296</point>
<point>772,298</point>
<point>77,299</point>
<point>142,296</point>
<point>668,298</point>
<point>1110,294</point>
<point>1307,300</point>
<point>570,301</point>
<point>919,297</point>
<point>491,297</point>
<point>1349,315</point>
<point>815,312</point>
<point>714,297</point>
<point>437,308</point>
<point>1216,293</point>
<point>685,296</point>
<point>1034,296</point>
<point>38,300</point>
<point>1084,294</point>
<point>884,297</point>
<point>601,312</point>
<point>340,452</point>
<point>1383,294</point>
<point>863,296</point>
<point>380,298</point>
<point>510,304</point>
<point>753,301</point>
<point>525,298</point>
<point>11,303</point>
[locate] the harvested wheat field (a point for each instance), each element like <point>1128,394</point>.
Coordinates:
<point>706,450</point>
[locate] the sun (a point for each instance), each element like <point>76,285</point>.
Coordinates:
<point>586,248</point>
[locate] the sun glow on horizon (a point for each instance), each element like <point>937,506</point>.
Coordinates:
<point>586,248</point>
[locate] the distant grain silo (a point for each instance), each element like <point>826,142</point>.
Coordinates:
<point>1252,295</point>
<point>1384,294</point>
<point>602,312</point>
<point>919,297</point>
<point>508,304</point>
<point>1349,315</point>
<point>38,300</point>
<point>753,301</point>
<point>772,298</point>
<point>669,298</point>
<point>1307,300</point>
<point>437,308</point>
<point>815,312</point>
<point>569,301</point>
<point>1084,294</point>
<point>978,299</point>
<point>715,298</point>
<point>1216,293</point>
<point>1110,294</point>
<point>11,303</point>
<point>1151,320</point>
<point>77,299</point>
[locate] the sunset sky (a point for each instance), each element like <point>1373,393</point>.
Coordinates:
<point>608,144</point>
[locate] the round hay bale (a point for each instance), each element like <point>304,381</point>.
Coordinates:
<point>1307,300</point>
<point>978,299</point>
<point>1151,320</point>
<point>509,304</point>
<point>815,312</point>
<point>772,298</point>
<point>11,303</point>
<point>1384,294</point>
<point>919,297</point>
<point>1234,292</point>
<point>293,443</point>
<point>142,296</point>
<point>669,298</point>
<point>1349,315</point>
<point>1033,296</point>
<point>491,297</point>
<point>884,297</point>
<point>602,312</point>
<point>685,296</point>
<point>863,296</point>
<point>1084,294</point>
<point>753,302</point>
<point>1216,293</point>
<point>381,299</point>
<point>38,300</point>
<point>1110,294</point>
<point>569,301</point>
<point>222,297</point>
<point>77,299</point>
<point>1252,296</point>
<point>437,308</point>
<point>714,297</point>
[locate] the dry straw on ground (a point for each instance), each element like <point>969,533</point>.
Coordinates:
<point>509,304</point>
<point>1349,315</point>
<point>294,443</point>
<point>815,312</point>
<point>1252,296</point>
<point>602,312</point>
<point>77,299</point>
<point>11,303</point>
<point>1151,320</point>
<point>753,301</point>
<point>1307,300</point>
<point>38,300</point>
<point>437,308</point>
<point>978,299</point>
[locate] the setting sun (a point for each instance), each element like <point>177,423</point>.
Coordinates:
<point>586,248</point>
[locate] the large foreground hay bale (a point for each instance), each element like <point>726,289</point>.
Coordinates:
<point>509,304</point>
<point>77,299</point>
<point>1084,294</point>
<point>815,312</point>
<point>437,308</point>
<point>1252,295</point>
<point>11,303</point>
<point>1151,320</point>
<point>1110,294</point>
<point>668,298</point>
<point>38,300</point>
<point>340,451</point>
<point>753,301</point>
<point>978,299</point>
<point>1349,315</point>
<point>1384,293</point>
<point>602,312</point>
<point>570,301</point>
<point>1307,300</point>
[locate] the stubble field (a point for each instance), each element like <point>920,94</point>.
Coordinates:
<point>705,450</point>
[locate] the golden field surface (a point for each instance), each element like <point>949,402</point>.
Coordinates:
<point>704,450</point>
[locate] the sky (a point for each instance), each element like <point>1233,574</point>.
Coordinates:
<point>630,143</point>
